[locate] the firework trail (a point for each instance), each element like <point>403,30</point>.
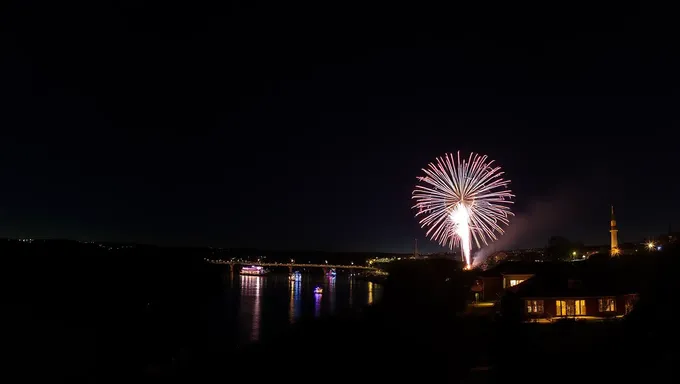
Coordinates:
<point>463,200</point>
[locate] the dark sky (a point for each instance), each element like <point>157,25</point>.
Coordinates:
<point>304,127</point>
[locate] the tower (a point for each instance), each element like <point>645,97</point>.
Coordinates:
<point>614,235</point>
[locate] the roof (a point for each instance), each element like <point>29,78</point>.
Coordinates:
<point>583,282</point>
<point>522,268</point>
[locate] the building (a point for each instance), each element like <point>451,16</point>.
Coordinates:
<point>493,282</point>
<point>614,234</point>
<point>583,292</point>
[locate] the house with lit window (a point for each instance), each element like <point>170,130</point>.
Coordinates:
<point>512,279</point>
<point>573,294</point>
<point>494,282</point>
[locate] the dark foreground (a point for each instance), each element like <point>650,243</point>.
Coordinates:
<point>91,325</point>
<point>418,333</point>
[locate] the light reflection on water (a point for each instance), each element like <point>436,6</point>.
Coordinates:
<point>351,286</point>
<point>267,305</point>
<point>251,288</point>
<point>317,304</point>
<point>295,302</point>
<point>331,293</point>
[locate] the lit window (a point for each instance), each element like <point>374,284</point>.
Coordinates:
<point>534,306</point>
<point>607,304</point>
<point>515,282</point>
<point>570,308</point>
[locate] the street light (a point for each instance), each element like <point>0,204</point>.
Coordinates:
<point>650,245</point>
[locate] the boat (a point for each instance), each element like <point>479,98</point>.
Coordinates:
<point>331,273</point>
<point>254,270</point>
<point>295,276</point>
<point>318,290</point>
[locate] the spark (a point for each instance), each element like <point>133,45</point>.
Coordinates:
<point>461,201</point>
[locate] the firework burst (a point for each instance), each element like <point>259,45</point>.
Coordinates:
<point>461,201</point>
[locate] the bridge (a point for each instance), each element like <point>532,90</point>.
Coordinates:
<point>290,266</point>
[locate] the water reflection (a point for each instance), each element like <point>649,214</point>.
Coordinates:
<point>317,305</point>
<point>294,304</point>
<point>351,290</point>
<point>331,293</point>
<point>261,301</point>
<point>251,287</point>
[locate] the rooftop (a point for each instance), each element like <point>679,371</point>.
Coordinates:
<point>583,281</point>
<point>523,268</point>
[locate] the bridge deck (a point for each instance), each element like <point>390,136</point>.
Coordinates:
<point>294,265</point>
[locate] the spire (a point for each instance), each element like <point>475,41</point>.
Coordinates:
<point>614,235</point>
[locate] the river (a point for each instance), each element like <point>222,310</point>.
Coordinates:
<point>255,308</point>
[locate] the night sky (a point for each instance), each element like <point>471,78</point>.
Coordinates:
<point>302,127</point>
